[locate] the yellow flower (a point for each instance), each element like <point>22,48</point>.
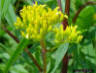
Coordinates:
<point>70,35</point>
<point>36,21</point>
<point>79,38</point>
<point>18,24</point>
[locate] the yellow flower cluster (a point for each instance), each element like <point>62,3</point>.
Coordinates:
<point>70,35</point>
<point>38,20</point>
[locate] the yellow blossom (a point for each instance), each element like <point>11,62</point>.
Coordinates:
<point>70,35</point>
<point>36,21</point>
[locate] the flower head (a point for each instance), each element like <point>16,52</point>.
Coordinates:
<point>70,35</point>
<point>36,21</point>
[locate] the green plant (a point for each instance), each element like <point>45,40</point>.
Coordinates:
<point>48,38</point>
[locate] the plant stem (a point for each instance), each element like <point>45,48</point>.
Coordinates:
<point>67,7</point>
<point>65,24</point>
<point>26,50</point>
<point>42,43</point>
<point>65,64</point>
<point>10,34</point>
<point>81,8</point>
<point>59,4</point>
<point>67,10</point>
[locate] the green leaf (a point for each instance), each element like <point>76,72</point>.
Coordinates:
<point>0,11</point>
<point>48,67</point>
<point>4,47</point>
<point>10,16</point>
<point>85,19</point>
<point>58,55</point>
<point>4,6</point>
<point>18,69</point>
<point>30,2</point>
<point>16,53</point>
<point>4,56</point>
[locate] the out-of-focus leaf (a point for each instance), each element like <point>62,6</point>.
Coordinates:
<point>48,67</point>
<point>31,67</point>
<point>0,11</point>
<point>4,47</point>
<point>10,16</point>
<point>85,19</point>
<point>13,1</point>
<point>58,55</point>
<point>73,5</point>
<point>30,2</point>
<point>18,69</point>
<point>16,53</point>
<point>2,66</point>
<point>5,56</point>
<point>51,3</point>
<point>4,6</point>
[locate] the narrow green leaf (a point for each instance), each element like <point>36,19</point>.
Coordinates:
<point>58,55</point>
<point>0,11</point>
<point>10,16</point>
<point>4,4</point>
<point>16,53</point>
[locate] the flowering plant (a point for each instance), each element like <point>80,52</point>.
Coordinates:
<point>43,26</point>
<point>36,21</point>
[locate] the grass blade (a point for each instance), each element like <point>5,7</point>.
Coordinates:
<point>4,4</point>
<point>10,16</point>
<point>16,53</point>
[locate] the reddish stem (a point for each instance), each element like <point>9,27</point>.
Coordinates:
<point>67,10</point>
<point>67,7</point>
<point>10,34</point>
<point>65,64</point>
<point>65,24</point>
<point>59,4</point>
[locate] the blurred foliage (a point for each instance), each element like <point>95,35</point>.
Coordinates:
<point>83,54</point>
